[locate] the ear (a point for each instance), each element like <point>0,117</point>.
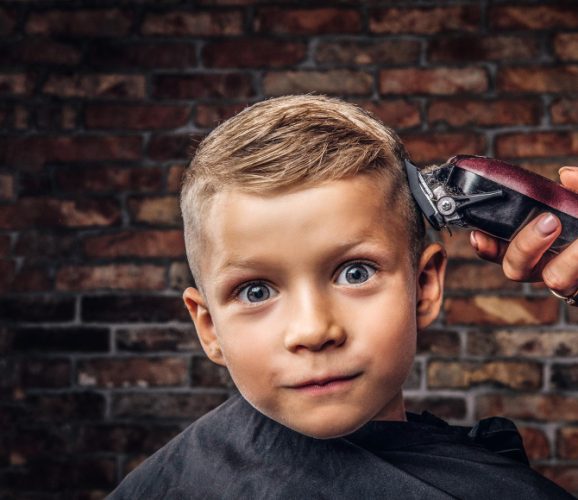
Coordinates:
<point>430,284</point>
<point>201,316</point>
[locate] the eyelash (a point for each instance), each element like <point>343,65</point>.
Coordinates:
<point>237,290</point>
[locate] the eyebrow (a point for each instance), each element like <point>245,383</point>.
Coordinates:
<point>342,248</point>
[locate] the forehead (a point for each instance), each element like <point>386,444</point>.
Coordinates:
<point>244,226</point>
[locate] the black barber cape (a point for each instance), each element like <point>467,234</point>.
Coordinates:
<point>235,452</point>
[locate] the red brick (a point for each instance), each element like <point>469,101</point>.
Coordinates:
<point>525,343</point>
<point>364,52</point>
<point>15,84</point>
<point>477,276</point>
<point>133,372</point>
<point>522,375</point>
<point>535,442</point>
<point>565,476</point>
<point>566,46</point>
<point>533,17</point>
<point>210,115</point>
<point>110,86</point>
<point>113,277</point>
<point>40,51</point>
<point>253,53</point>
<point>143,117</point>
<point>7,21</point>
<point>180,276</point>
<point>30,278</point>
<point>191,23</point>
<point>538,79</point>
<point>424,20</point>
<point>564,110</point>
<point>155,55</point>
<point>437,81</point>
<point>7,188</point>
<point>174,178</point>
<point>158,339</point>
<point>199,86</point>
<point>537,144</point>
<point>186,406</point>
<point>307,21</point>
<point>567,443</point>
<point>160,210</point>
<point>92,23</point>
<point>441,406</point>
<point>541,407</point>
<point>440,146</point>
<point>136,244</point>
<point>471,48</point>
<point>335,82</point>
<point>397,113</point>
<point>35,151</point>
<point>164,147</point>
<point>205,373</point>
<point>48,212</point>
<point>499,310</point>
<point>438,342</point>
<point>459,112</point>
<point>105,178</point>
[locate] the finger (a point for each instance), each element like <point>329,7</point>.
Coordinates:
<point>521,259</point>
<point>561,273</point>
<point>488,247</point>
<point>569,178</point>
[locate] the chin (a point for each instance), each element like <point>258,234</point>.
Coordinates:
<point>325,428</point>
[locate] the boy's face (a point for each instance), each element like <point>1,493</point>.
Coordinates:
<point>310,302</point>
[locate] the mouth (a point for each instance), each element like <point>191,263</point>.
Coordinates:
<point>326,384</point>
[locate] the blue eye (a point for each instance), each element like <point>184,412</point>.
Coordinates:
<point>355,274</point>
<point>255,292</point>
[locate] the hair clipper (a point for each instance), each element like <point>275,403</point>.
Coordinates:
<point>491,195</point>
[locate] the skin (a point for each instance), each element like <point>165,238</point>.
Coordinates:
<point>311,302</point>
<point>526,258</point>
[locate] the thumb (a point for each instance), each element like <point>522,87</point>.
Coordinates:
<point>569,178</point>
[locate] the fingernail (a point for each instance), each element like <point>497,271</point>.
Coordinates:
<point>547,224</point>
<point>568,169</point>
<point>474,241</point>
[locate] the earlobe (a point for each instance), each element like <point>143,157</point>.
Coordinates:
<point>430,284</point>
<point>201,316</point>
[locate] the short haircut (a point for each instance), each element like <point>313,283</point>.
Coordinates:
<point>289,143</point>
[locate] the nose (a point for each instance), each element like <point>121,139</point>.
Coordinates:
<point>313,326</point>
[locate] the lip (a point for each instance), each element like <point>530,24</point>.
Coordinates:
<point>326,384</point>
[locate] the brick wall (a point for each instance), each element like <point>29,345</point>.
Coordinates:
<point>100,104</point>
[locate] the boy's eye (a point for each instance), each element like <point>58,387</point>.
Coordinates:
<point>355,274</point>
<point>255,292</point>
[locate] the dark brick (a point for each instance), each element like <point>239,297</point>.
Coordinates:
<point>564,376</point>
<point>39,51</point>
<point>533,17</point>
<point>111,277</point>
<point>143,117</point>
<point>479,48</point>
<point>210,115</point>
<point>440,146</point>
<point>188,406</point>
<point>373,52</point>
<point>110,86</point>
<point>44,373</point>
<point>443,407</point>
<point>136,244</point>
<point>107,179</point>
<point>142,55</point>
<point>230,85</point>
<point>35,151</point>
<point>51,117</point>
<point>7,21</point>
<point>253,53</point>
<point>172,146</point>
<point>205,373</point>
<point>37,309</point>
<point>15,85</point>
<point>38,245</point>
<point>57,339</point>
<point>157,339</point>
<point>85,23</point>
<point>194,23</point>
<point>63,407</point>
<point>130,309</point>
<point>438,342</point>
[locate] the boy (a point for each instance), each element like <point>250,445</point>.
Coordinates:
<point>313,277</point>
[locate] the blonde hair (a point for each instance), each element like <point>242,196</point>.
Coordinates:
<point>288,143</point>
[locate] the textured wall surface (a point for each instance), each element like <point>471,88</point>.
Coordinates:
<point>101,103</point>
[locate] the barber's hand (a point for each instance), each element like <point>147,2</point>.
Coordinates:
<point>525,257</point>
